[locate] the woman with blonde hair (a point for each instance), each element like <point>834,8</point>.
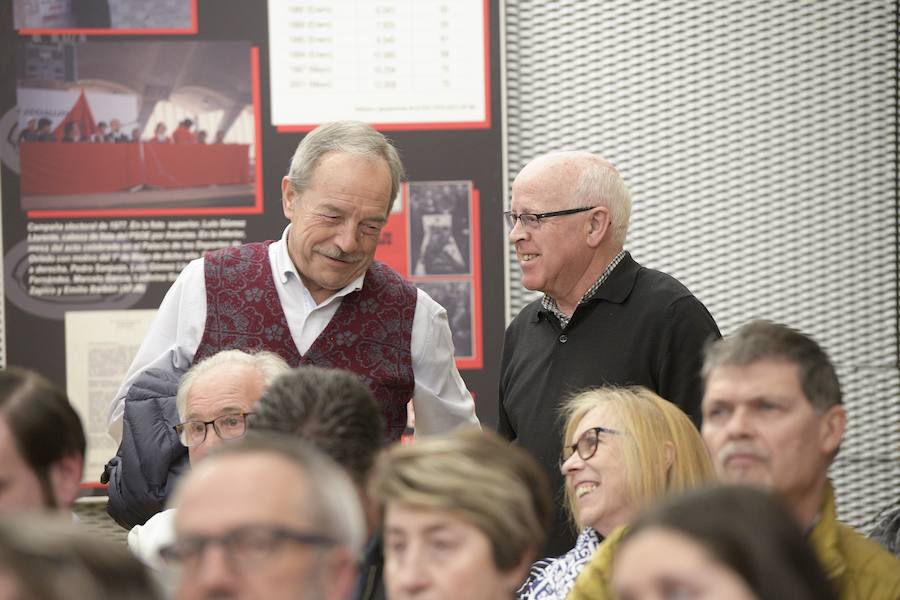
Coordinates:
<point>463,516</point>
<point>623,449</point>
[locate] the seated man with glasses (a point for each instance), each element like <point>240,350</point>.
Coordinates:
<point>603,319</point>
<point>270,517</point>
<point>213,401</point>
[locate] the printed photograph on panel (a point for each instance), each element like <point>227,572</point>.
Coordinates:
<point>456,297</point>
<point>104,14</point>
<point>439,227</point>
<point>124,125</point>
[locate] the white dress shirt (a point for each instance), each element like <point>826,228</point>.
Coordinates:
<point>440,399</point>
<point>145,540</point>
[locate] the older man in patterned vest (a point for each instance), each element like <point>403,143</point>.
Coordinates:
<point>316,296</point>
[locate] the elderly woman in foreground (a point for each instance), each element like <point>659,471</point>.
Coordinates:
<point>623,449</point>
<point>464,516</point>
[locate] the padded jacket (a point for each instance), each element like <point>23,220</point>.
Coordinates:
<point>150,458</point>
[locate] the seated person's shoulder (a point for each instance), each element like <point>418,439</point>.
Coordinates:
<point>145,540</point>
<point>873,566</point>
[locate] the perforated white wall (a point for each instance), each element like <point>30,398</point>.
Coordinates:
<point>759,139</point>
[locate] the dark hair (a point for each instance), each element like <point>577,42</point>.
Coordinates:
<point>51,559</point>
<point>44,122</point>
<point>765,340</point>
<point>331,409</point>
<point>751,532</point>
<point>43,423</point>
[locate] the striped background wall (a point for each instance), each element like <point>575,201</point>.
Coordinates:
<point>760,142</point>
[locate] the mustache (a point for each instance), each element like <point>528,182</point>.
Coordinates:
<point>338,254</point>
<point>741,448</point>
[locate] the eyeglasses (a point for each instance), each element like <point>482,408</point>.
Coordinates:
<point>245,547</point>
<point>533,220</point>
<point>227,427</point>
<point>586,446</point>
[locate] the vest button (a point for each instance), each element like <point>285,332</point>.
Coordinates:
<point>563,338</point>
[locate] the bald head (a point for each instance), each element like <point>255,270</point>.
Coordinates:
<point>580,179</point>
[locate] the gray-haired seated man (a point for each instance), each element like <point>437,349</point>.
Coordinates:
<point>214,399</point>
<point>267,516</point>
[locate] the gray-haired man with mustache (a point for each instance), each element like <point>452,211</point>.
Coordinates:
<point>773,416</point>
<point>316,296</point>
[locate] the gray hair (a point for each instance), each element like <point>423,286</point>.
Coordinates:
<point>764,340</point>
<point>268,364</point>
<point>333,499</point>
<point>601,184</point>
<point>349,137</point>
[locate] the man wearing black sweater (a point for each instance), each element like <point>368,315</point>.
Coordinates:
<point>603,320</point>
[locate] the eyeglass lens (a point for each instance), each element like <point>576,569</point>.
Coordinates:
<point>527,220</point>
<point>227,427</point>
<point>244,547</point>
<point>586,446</point>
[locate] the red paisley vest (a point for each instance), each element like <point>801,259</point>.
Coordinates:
<point>369,334</point>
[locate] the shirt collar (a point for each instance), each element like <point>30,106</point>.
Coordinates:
<point>550,304</point>
<point>285,269</point>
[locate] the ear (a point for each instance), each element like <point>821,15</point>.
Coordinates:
<point>669,449</point>
<point>340,573</point>
<point>65,478</point>
<point>598,226</point>
<point>288,198</point>
<point>831,429</point>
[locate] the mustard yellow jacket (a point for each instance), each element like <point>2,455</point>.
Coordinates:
<point>859,568</point>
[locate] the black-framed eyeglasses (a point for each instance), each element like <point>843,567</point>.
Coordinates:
<point>586,446</point>
<point>533,220</point>
<point>228,427</point>
<point>245,547</point>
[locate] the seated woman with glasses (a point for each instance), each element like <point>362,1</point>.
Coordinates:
<point>623,448</point>
<point>464,515</point>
